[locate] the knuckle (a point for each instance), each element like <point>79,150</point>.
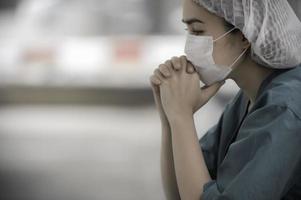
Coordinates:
<point>156,71</point>
<point>175,59</point>
<point>183,60</point>
<point>164,68</point>
<point>154,80</point>
<point>168,64</point>
<point>161,67</point>
<point>177,62</point>
<point>183,57</point>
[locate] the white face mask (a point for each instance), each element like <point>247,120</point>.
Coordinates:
<point>198,50</point>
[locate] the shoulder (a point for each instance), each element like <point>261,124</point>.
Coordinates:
<point>283,92</point>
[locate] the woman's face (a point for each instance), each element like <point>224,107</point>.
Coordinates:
<point>199,21</point>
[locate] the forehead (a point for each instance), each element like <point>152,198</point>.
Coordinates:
<point>194,10</point>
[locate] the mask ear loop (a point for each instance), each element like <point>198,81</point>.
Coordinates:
<point>239,56</point>
<point>224,34</point>
<point>231,67</point>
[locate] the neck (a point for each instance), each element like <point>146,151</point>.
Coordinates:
<point>249,76</point>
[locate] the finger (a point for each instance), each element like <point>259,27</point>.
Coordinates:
<point>209,91</point>
<point>190,67</point>
<point>183,63</point>
<point>164,70</point>
<point>168,63</point>
<point>159,75</point>
<point>154,80</point>
<point>176,63</point>
<point>155,89</point>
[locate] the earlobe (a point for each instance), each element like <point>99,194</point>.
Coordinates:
<point>247,47</point>
<point>245,41</point>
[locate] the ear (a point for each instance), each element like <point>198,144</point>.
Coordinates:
<point>244,41</point>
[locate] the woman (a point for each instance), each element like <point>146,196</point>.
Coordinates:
<point>253,152</point>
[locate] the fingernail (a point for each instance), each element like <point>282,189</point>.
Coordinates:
<point>157,81</point>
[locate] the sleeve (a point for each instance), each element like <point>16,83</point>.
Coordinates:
<point>209,144</point>
<point>262,163</point>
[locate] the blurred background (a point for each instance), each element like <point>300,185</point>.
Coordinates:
<point>77,116</point>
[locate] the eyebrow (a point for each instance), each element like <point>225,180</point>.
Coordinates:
<point>192,20</point>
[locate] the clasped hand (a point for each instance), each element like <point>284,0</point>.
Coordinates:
<point>178,84</point>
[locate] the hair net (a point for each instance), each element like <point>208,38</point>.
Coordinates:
<point>271,26</point>
<point>296,5</point>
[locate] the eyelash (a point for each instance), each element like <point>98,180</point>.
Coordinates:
<point>196,32</point>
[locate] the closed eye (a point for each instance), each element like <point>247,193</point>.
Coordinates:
<point>195,32</point>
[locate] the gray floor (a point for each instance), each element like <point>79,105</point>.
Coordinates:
<point>84,152</point>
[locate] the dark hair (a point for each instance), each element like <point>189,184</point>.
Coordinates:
<point>229,26</point>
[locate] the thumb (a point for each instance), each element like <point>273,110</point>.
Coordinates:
<point>208,91</point>
<point>156,93</point>
<point>155,88</point>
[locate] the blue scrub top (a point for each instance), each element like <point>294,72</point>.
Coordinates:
<point>256,155</point>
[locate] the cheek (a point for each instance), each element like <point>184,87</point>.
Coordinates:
<point>224,54</point>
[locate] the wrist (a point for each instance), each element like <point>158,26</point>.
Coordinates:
<point>180,118</point>
<point>164,122</point>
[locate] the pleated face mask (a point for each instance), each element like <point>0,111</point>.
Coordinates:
<point>198,50</point>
